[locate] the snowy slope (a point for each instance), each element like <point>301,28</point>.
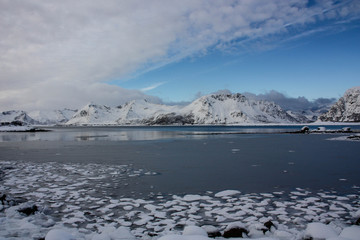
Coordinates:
<point>346,109</point>
<point>143,112</point>
<point>52,116</point>
<point>20,117</point>
<point>93,114</point>
<point>235,109</point>
<point>304,116</point>
<point>132,113</point>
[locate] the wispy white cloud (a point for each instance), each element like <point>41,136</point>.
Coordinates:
<point>66,51</point>
<point>152,87</point>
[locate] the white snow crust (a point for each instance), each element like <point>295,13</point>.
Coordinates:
<point>59,234</point>
<point>319,230</point>
<point>227,193</point>
<point>351,233</point>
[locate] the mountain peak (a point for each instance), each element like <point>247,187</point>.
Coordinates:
<point>346,109</point>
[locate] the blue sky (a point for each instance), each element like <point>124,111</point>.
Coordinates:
<point>57,54</point>
<point>322,64</point>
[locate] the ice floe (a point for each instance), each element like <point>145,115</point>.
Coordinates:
<point>62,201</point>
<point>353,137</point>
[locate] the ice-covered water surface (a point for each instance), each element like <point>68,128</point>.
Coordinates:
<point>74,197</point>
<point>158,187</point>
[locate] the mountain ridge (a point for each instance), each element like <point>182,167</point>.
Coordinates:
<point>214,109</point>
<point>207,110</point>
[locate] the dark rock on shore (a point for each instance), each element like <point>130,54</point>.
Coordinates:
<point>269,224</point>
<point>29,210</point>
<point>235,232</point>
<point>354,137</point>
<point>305,129</point>
<point>2,199</point>
<point>214,234</point>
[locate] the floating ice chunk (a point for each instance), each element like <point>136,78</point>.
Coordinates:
<point>144,218</point>
<point>111,233</point>
<point>235,225</point>
<point>160,214</point>
<point>58,234</point>
<point>151,207</point>
<point>192,197</point>
<point>356,214</point>
<point>194,230</point>
<point>268,195</point>
<point>128,208</point>
<point>341,198</point>
<point>319,230</point>
<point>352,233</point>
<point>299,193</point>
<point>333,207</point>
<point>186,237</point>
<point>227,193</point>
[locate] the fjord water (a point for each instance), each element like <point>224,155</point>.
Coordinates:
<point>182,160</point>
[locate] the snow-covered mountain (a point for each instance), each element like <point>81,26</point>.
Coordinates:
<point>93,114</point>
<point>16,118</point>
<point>346,109</point>
<point>143,112</point>
<point>220,108</point>
<point>234,109</point>
<point>211,109</point>
<point>52,116</point>
<point>136,112</point>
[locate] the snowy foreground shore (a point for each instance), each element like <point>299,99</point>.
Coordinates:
<point>55,201</point>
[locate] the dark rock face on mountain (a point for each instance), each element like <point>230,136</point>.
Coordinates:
<point>170,119</point>
<point>346,109</point>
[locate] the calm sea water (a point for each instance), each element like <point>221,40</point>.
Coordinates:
<point>196,159</point>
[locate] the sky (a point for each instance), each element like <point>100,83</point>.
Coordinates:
<point>57,54</point>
